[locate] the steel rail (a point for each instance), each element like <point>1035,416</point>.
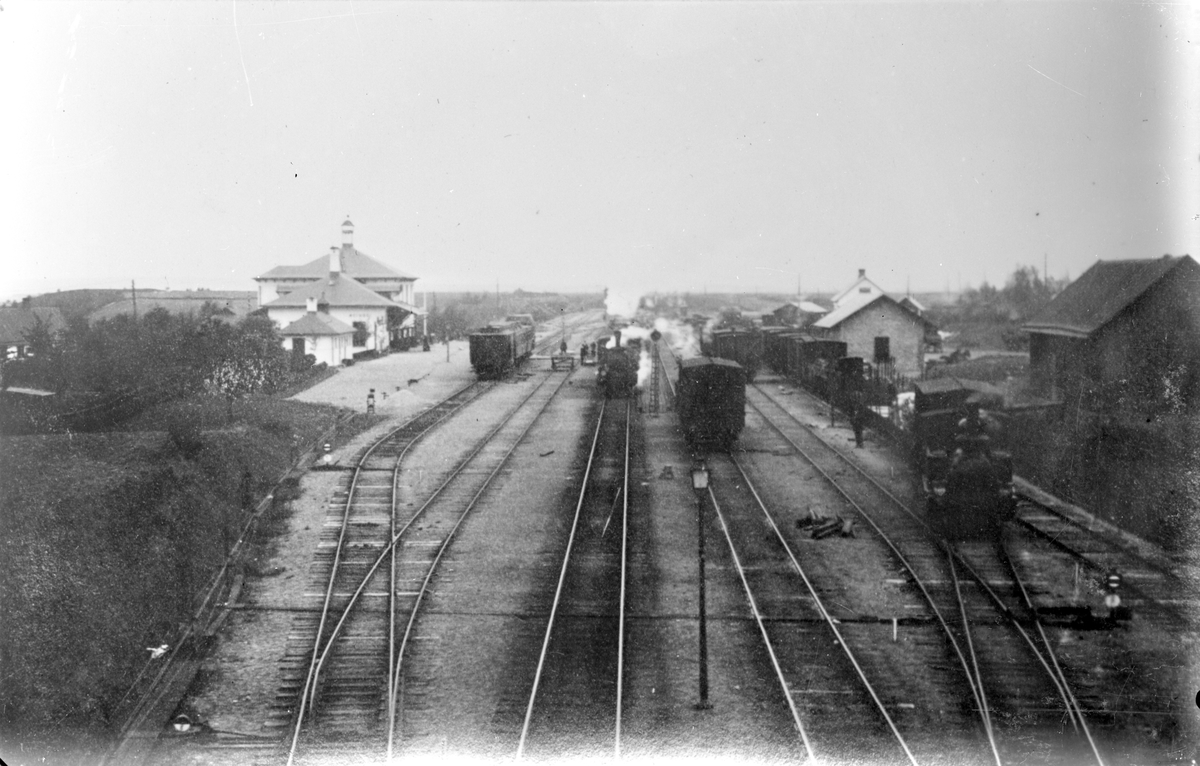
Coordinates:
<point>762,629</point>
<point>562,578</point>
<point>624,581</point>
<point>407,525</point>
<point>917,580</point>
<point>308,693</point>
<point>966,628</point>
<point>1086,560</point>
<point>812,591</point>
<point>433,566</point>
<point>1058,679</point>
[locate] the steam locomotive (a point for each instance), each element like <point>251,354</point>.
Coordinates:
<point>617,367</point>
<point>966,474</point>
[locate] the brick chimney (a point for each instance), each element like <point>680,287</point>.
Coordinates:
<point>335,260</point>
<point>311,305</point>
<point>862,273</point>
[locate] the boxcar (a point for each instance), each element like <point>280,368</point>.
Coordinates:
<point>711,401</point>
<point>741,346</point>
<point>775,342</point>
<point>812,363</point>
<point>959,451</point>
<point>499,347</point>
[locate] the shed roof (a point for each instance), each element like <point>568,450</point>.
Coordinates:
<point>318,323</point>
<point>15,322</point>
<point>336,289</point>
<point>807,307</point>
<point>355,262</point>
<point>1101,293</point>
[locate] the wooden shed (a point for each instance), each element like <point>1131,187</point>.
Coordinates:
<point>1126,333</point>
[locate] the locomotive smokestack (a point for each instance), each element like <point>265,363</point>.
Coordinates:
<point>616,338</point>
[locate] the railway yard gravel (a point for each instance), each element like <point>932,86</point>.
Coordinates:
<point>238,682</point>
<point>476,613</point>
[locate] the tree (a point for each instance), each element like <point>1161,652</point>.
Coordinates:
<point>253,361</point>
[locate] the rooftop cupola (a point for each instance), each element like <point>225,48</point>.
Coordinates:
<point>335,260</point>
<point>347,233</point>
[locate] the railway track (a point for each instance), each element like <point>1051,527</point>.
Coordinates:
<point>1149,581</point>
<point>549,343</point>
<point>576,700</point>
<point>811,674</point>
<point>1014,678</point>
<point>377,563</point>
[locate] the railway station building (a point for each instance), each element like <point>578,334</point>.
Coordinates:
<point>879,329</point>
<point>1125,335</point>
<point>313,303</point>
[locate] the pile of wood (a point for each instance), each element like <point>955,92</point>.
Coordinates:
<point>825,526</point>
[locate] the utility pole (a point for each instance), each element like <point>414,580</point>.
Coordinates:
<point>133,292</point>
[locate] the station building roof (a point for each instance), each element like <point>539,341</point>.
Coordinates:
<point>334,289</point>
<point>355,263</point>
<point>317,323</point>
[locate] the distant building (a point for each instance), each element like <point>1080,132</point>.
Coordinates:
<point>1131,327</point>
<point>913,305</point>
<point>798,313</point>
<point>349,286</point>
<point>15,324</point>
<point>227,305</point>
<point>879,329</point>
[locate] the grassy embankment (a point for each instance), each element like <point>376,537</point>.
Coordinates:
<point>104,540</point>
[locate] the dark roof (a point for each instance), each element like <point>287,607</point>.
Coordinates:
<point>1102,292</point>
<point>317,324</point>
<point>334,290</point>
<point>15,322</point>
<point>355,262</point>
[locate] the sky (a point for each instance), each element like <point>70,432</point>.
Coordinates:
<point>682,146</point>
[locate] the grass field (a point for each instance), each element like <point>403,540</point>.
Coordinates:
<point>104,539</point>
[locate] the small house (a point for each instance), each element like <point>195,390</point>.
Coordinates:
<point>326,338</point>
<point>16,324</point>
<point>880,330</point>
